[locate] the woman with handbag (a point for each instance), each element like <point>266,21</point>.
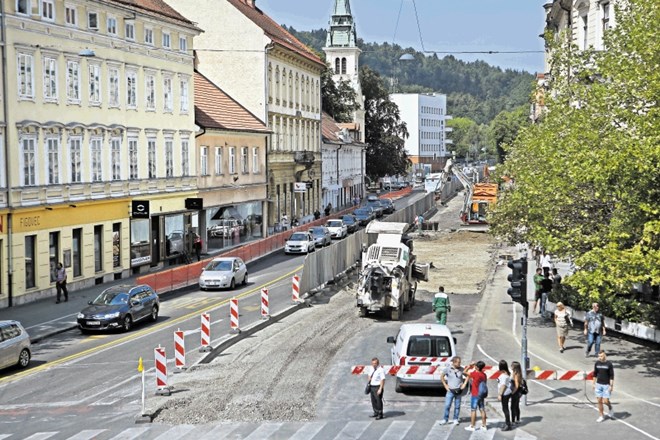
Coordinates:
<point>563,320</point>
<point>519,389</point>
<point>504,391</point>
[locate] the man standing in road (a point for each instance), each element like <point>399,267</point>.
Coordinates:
<point>441,306</point>
<point>376,388</point>
<point>60,283</point>
<point>454,382</point>
<point>476,401</point>
<point>603,384</point>
<point>594,328</point>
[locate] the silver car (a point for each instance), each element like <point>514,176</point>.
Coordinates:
<point>322,236</point>
<point>14,345</point>
<point>222,273</point>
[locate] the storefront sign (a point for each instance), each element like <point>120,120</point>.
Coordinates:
<point>194,203</point>
<point>299,187</point>
<point>140,209</point>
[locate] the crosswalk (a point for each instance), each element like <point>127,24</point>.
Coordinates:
<point>387,429</point>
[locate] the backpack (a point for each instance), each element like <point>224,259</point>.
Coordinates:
<point>523,387</point>
<point>483,389</point>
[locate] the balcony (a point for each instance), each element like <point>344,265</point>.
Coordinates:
<point>304,157</point>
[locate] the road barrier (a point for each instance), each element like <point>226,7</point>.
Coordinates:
<point>264,304</point>
<point>160,360</point>
<point>205,331</point>
<point>491,372</point>
<point>233,314</point>
<point>179,351</point>
<point>295,289</point>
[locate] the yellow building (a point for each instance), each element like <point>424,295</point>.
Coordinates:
<point>97,114</point>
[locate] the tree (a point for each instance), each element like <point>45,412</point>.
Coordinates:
<point>587,178</point>
<point>505,127</point>
<point>338,100</point>
<point>384,130</point>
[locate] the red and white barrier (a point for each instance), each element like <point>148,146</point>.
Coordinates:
<point>205,331</point>
<point>295,289</point>
<point>492,372</point>
<point>179,351</point>
<point>161,371</point>
<point>264,304</point>
<point>233,314</point>
<point>428,359</point>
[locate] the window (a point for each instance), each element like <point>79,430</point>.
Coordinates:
<point>73,81</point>
<point>30,254</point>
<point>132,159</point>
<point>113,87</point>
<point>255,160</point>
<point>23,7</point>
<point>184,96</point>
<point>53,254</point>
<point>98,248</point>
<point>343,65</point>
<point>150,92</point>
<point>204,161</point>
<point>606,16</point>
<point>185,164</point>
<point>112,25</point>
<point>25,78</point>
<point>218,161</point>
<point>50,79</point>
<point>53,154</point>
<point>169,159</point>
<point>244,160</point>
<point>183,44</point>
<point>149,36</point>
<point>584,20</point>
<point>71,15</point>
<point>129,31</point>
<point>337,66</point>
<point>29,157</point>
<point>166,40</point>
<point>48,10</point>
<point>95,84</point>
<point>131,89</point>
<point>167,94</point>
<point>232,160</point>
<point>96,158</point>
<point>93,20</point>
<point>77,252</point>
<point>151,157</point>
<point>115,152</point>
<point>116,245</point>
<point>75,154</point>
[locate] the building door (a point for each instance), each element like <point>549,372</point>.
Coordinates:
<point>155,240</point>
<point>98,248</point>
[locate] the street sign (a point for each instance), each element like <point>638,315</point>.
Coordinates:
<point>140,209</point>
<point>299,187</point>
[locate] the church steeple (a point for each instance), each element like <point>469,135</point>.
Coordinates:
<point>342,28</point>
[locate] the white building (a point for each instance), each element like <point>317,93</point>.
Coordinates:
<point>426,118</point>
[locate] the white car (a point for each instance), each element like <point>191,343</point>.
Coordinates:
<point>300,243</point>
<point>337,228</point>
<point>223,273</point>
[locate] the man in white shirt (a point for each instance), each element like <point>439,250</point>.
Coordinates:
<point>376,387</point>
<point>546,264</point>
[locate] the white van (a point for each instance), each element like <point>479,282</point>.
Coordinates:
<point>422,345</point>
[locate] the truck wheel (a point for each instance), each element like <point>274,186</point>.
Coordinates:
<point>397,386</point>
<point>362,312</point>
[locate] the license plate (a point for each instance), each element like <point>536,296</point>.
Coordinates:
<point>93,322</point>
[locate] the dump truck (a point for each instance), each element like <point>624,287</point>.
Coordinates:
<point>389,271</point>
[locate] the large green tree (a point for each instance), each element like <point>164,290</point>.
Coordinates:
<point>338,100</point>
<point>505,127</point>
<point>385,132</point>
<point>587,178</point>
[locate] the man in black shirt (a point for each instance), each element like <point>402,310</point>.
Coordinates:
<point>603,384</point>
<point>546,288</point>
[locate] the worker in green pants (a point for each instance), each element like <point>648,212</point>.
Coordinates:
<point>441,306</point>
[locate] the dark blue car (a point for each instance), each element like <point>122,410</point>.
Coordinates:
<point>119,307</point>
<point>364,215</point>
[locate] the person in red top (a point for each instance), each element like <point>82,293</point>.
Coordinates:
<point>476,376</point>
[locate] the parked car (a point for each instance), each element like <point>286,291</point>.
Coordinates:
<point>364,215</point>
<point>175,243</point>
<point>222,273</point>
<point>300,243</point>
<point>226,228</point>
<point>321,235</point>
<point>337,228</point>
<point>376,206</point>
<point>119,307</point>
<point>14,345</point>
<point>388,206</point>
<point>352,223</point>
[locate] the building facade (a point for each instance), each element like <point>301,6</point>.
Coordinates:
<point>97,114</point>
<point>276,78</point>
<point>426,118</point>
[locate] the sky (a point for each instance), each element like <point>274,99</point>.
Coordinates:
<point>446,25</point>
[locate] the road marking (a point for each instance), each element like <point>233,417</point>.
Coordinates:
<point>40,436</point>
<point>3,436</point>
<point>522,435</point>
<point>130,434</point>
<point>308,431</point>
<point>397,430</point>
<point>439,432</point>
<point>263,431</point>
<point>176,432</point>
<point>88,434</point>
<point>352,430</point>
<point>221,431</point>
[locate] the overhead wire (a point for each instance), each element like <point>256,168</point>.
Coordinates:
<point>396,27</point>
<point>419,28</point>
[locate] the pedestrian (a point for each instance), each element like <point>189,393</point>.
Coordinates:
<point>546,263</point>
<point>476,376</point>
<point>504,389</point>
<point>603,384</point>
<point>556,279</point>
<point>317,214</point>
<point>517,381</point>
<point>441,306</point>
<point>563,321</point>
<point>594,328</point>
<point>285,222</point>
<point>328,209</point>
<point>546,288</point>
<point>198,247</point>
<point>454,380</point>
<point>537,288</point>
<point>60,283</point>
<point>376,388</point>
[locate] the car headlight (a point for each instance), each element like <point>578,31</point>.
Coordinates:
<point>111,315</point>
<point>81,315</point>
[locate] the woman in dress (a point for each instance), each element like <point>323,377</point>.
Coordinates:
<point>563,320</point>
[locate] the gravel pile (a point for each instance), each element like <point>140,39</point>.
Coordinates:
<point>272,376</point>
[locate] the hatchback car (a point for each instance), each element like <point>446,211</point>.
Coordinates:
<point>337,228</point>
<point>119,307</point>
<point>351,222</point>
<point>376,206</point>
<point>14,345</point>
<point>322,235</point>
<point>222,273</point>
<point>300,243</point>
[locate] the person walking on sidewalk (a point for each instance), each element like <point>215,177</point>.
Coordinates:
<point>441,306</point>
<point>537,288</point>
<point>563,321</point>
<point>60,283</point>
<point>603,384</point>
<point>546,288</point>
<point>476,376</point>
<point>376,388</point>
<point>516,394</point>
<point>594,328</point>
<point>504,390</point>
<point>454,381</point>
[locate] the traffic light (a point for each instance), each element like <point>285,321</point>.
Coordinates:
<point>518,280</point>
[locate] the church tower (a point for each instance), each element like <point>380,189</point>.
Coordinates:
<point>343,55</point>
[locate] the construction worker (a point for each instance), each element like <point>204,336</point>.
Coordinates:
<point>441,306</point>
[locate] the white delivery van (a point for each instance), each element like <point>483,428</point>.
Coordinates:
<point>421,345</point>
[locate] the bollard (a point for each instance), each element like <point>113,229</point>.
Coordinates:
<point>295,290</point>
<point>205,331</point>
<point>264,304</point>
<point>161,372</point>
<point>179,351</point>
<point>233,315</point>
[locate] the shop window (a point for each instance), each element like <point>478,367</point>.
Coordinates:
<point>53,254</point>
<point>77,252</point>
<point>98,248</point>
<point>116,245</point>
<point>140,248</point>
<point>30,254</point>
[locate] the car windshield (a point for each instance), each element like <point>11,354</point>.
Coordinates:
<point>334,224</point>
<point>223,265</point>
<point>298,237</point>
<point>429,346</point>
<point>111,298</point>
<point>315,231</point>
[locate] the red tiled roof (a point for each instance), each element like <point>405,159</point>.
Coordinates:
<point>157,6</point>
<point>329,129</point>
<point>276,32</point>
<point>215,109</point>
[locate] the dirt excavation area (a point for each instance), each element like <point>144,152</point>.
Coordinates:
<point>274,375</point>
